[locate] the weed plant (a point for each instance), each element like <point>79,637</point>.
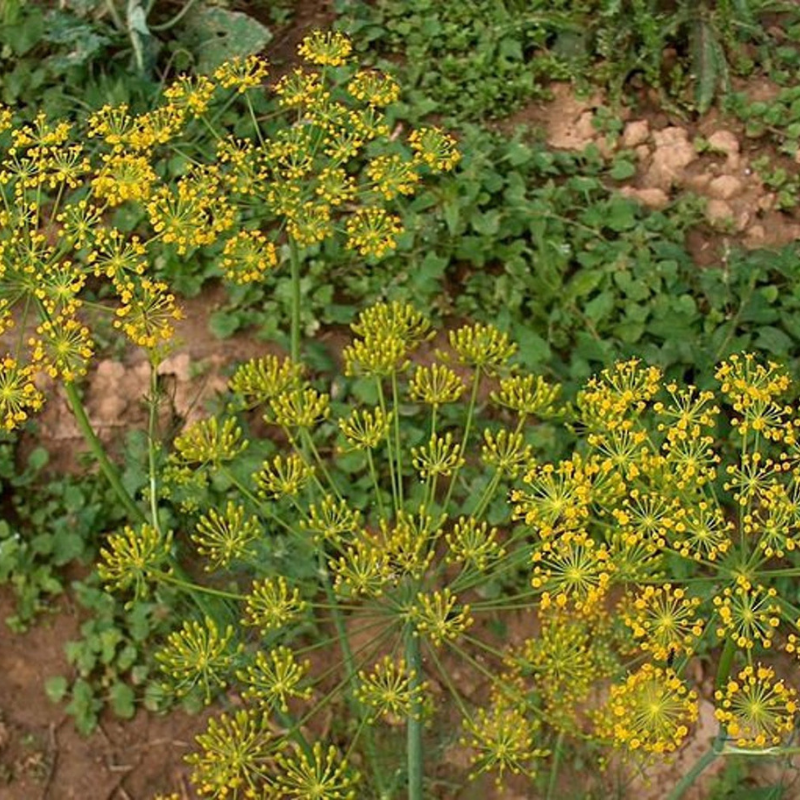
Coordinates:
<point>484,59</point>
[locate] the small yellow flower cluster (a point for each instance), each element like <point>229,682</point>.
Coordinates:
<point>247,257</point>
<point>756,710</point>
<point>652,711</point>
<point>274,678</point>
<point>664,619</point>
<point>133,558</point>
<point>223,537</point>
<point>390,689</point>
<point>199,655</point>
<point>283,476</point>
<point>271,605</point>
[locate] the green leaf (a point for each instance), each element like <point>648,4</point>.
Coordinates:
<point>122,700</point>
<point>224,323</point>
<point>452,214</point>
<point>600,307</point>
<point>56,687</point>
<point>774,340</point>
<point>622,169</point>
<point>585,282</point>
<point>486,224</point>
<point>218,35</point>
<point>708,62</point>
<point>518,154</point>
<point>84,706</point>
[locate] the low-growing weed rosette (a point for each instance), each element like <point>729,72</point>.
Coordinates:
<point>395,496</point>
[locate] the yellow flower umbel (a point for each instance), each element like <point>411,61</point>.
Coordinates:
<point>756,710</point>
<point>236,753</point>
<point>651,712</point>
<point>199,655</point>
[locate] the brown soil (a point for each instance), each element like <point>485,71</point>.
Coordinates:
<point>42,757</point>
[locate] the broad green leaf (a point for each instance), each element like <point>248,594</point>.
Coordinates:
<point>219,34</point>
<point>622,169</point>
<point>600,307</point>
<point>773,340</point>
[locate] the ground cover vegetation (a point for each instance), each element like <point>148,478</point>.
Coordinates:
<point>590,457</point>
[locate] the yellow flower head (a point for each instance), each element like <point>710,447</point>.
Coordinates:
<point>331,49</point>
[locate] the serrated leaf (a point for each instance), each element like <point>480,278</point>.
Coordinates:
<point>708,62</point>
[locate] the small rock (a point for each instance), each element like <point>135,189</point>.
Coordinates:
<point>767,202</point>
<point>755,238</point>
<point>652,198</point>
<point>642,152</point>
<point>724,142</point>
<point>725,186</point>
<point>636,133</point>
<point>699,183</point>
<point>674,152</point>
<point>718,212</point>
<point>673,135</point>
<point>584,127</point>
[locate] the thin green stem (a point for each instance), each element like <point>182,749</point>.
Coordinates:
<point>309,443</point>
<point>389,448</point>
<point>414,723</point>
<point>165,26</point>
<point>294,340</point>
<point>99,453</point>
<point>194,588</point>
<point>557,751</point>
<point>473,399</point>
<point>398,446</point>
<point>152,424</point>
<point>488,495</point>
<point>374,475</point>
<point>351,673</point>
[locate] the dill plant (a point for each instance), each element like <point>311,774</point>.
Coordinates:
<point>96,208</point>
<point>411,535</point>
<point>669,535</point>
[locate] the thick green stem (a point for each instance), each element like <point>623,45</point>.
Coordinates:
<point>99,453</point>
<point>708,758</point>
<point>294,341</point>
<point>683,785</point>
<point>414,745</point>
